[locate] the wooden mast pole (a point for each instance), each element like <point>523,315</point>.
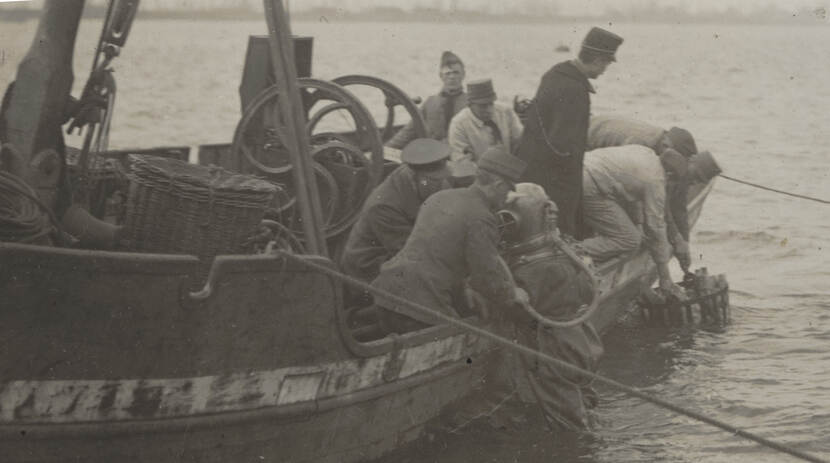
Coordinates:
<point>37,105</point>
<point>289,110</point>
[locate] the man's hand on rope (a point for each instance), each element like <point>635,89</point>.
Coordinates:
<point>521,297</point>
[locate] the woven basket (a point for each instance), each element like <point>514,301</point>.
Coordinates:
<point>180,208</point>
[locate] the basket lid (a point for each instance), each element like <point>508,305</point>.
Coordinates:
<point>197,178</point>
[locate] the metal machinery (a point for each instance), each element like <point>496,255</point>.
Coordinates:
<point>346,145</point>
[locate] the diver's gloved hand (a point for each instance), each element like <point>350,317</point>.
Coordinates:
<point>670,287</point>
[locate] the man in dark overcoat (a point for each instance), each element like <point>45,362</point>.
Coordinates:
<point>389,212</point>
<point>556,129</point>
<point>454,242</point>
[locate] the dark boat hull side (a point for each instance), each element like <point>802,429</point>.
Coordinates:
<point>107,357</point>
<point>70,314</point>
<point>110,357</point>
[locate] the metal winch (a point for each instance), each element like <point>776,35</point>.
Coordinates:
<point>706,301</point>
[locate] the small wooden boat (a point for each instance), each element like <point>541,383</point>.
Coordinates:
<point>109,357</point>
<point>116,356</point>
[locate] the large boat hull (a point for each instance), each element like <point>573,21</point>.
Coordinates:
<point>114,357</point>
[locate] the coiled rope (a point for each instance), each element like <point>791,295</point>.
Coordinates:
<point>23,216</point>
<point>551,360</point>
<point>762,187</point>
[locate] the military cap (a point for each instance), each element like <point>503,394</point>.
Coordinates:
<point>481,91</point>
<point>497,160</point>
<point>602,41</point>
<point>682,141</point>
<point>704,166</point>
<point>449,58</point>
<point>423,151</point>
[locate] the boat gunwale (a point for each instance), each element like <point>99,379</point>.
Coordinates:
<point>115,428</point>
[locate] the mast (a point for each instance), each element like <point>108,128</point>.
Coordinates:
<point>38,104</point>
<point>289,111</point>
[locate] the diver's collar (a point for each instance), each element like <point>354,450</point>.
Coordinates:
<point>536,247</point>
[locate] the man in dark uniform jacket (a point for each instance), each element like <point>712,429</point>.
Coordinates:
<point>390,210</point>
<point>455,240</point>
<point>556,130</point>
<point>438,110</point>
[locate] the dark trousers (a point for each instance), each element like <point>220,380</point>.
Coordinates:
<point>561,177</point>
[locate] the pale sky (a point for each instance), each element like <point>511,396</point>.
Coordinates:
<point>564,7</point>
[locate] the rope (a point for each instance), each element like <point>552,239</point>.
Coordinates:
<point>23,216</point>
<point>551,360</point>
<point>818,200</point>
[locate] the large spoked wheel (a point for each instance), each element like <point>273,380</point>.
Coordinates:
<point>334,163</point>
<point>347,166</point>
<point>393,97</point>
<point>345,146</point>
<point>330,109</point>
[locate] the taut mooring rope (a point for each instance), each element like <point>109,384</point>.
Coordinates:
<point>554,361</point>
<point>795,195</point>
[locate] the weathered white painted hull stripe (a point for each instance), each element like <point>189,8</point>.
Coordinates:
<point>68,401</point>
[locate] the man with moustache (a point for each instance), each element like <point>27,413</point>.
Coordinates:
<point>555,135</point>
<point>454,243</point>
<point>438,110</point>
<point>481,125</point>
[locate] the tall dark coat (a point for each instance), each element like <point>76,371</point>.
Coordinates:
<point>554,139</point>
<point>455,237</point>
<point>385,222</point>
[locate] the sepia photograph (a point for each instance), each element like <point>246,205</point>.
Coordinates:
<point>386,231</point>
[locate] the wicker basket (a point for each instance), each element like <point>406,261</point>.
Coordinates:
<point>180,208</point>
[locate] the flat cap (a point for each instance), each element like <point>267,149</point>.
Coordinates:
<point>425,151</point>
<point>449,58</point>
<point>497,160</point>
<point>704,166</point>
<point>682,141</point>
<point>481,91</point>
<point>602,41</point>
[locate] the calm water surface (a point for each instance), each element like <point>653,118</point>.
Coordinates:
<point>758,97</point>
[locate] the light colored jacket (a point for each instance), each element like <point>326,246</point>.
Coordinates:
<point>634,177</point>
<point>607,131</point>
<point>470,138</point>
